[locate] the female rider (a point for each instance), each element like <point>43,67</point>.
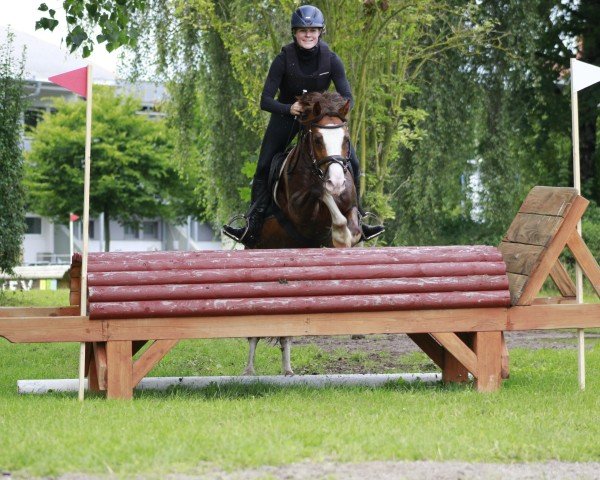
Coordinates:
<point>305,65</point>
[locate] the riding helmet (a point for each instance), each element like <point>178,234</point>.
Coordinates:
<point>308,16</point>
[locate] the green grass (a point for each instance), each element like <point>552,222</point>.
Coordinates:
<point>538,415</point>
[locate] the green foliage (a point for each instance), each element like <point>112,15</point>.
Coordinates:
<point>82,17</point>
<point>132,174</point>
<point>12,196</point>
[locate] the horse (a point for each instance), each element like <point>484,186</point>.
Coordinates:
<point>314,199</point>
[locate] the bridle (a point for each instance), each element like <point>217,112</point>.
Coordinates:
<point>317,164</point>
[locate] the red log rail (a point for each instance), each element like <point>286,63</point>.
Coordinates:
<point>251,282</point>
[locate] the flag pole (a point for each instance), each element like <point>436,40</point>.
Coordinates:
<point>577,185</point>
<point>86,221</point>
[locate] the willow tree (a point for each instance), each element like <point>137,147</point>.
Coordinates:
<point>12,196</point>
<point>223,50</point>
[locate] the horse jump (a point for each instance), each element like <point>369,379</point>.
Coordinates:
<point>454,302</point>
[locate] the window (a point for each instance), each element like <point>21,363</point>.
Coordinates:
<point>132,233</point>
<point>151,230</point>
<point>34,225</point>
<point>32,117</point>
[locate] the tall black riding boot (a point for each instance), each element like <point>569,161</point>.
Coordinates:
<point>368,231</point>
<point>250,234</point>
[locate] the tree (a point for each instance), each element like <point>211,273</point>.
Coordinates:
<point>132,174</point>
<point>12,204</point>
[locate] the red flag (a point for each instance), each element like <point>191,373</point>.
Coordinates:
<point>74,217</point>
<point>75,81</point>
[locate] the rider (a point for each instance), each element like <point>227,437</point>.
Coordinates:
<point>305,65</point>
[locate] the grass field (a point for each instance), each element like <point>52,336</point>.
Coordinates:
<point>538,415</point>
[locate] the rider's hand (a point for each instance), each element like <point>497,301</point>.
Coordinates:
<point>296,108</point>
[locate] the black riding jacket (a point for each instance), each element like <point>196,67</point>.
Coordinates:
<point>296,69</point>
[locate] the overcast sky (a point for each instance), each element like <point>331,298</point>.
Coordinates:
<point>22,15</point>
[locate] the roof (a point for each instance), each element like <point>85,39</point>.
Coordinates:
<point>43,59</point>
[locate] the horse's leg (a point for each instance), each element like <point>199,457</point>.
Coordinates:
<point>252,342</point>
<point>286,347</point>
<point>340,234</point>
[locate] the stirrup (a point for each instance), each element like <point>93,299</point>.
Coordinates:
<point>228,225</point>
<point>379,224</point>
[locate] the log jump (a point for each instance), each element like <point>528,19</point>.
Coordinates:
<point>454,302</point>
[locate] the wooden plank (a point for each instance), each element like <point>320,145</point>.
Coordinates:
<point>457,348</point>
<point>92,376</point>
<point>585,259</point>
<point>74,298</point>
<point>516,284</point>
<point>154,354</point>
<point>431,348</point>
<point>488,348</point>
<point>423,321</point>
<point>453,371</point>
<point>520,258</point>
<point>562,280</point>
<point>549,200</point>
<point>119,383</point>
<point>531,229</point>
<point>100,363</point>
<point>38,311</point>
<point>547,317</point>
<point>553,300</point>
<point>554,249</point>
<point>51,329</point>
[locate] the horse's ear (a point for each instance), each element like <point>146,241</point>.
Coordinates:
<point>345,109</point>
<point>316,110</point>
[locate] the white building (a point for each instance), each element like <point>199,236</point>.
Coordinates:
<point>48,243</point>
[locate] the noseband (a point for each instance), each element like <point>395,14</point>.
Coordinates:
<point>317,164</point>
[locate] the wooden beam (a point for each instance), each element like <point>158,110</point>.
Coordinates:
<point>562,280</point>
<point>543,200</point>
<point>151,357</point>
<point>553,300</point>
<point>547,317</point>
<point>505,358</point>
<point>6,312</point>
<point>488,348</point>
<point>409,321</point>
<point>585,259</point>
<point>119,370</point>
<point>101,363</point>
<point>51,329</point>
<point>431,348</point>
<point>458,349</point>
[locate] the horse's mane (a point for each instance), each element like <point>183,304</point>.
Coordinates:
<point>330,103</point>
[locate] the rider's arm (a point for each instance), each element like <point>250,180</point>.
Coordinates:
<point>338,75</point>
<point>274,78</point>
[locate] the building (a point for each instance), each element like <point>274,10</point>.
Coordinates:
<point>47,243</point>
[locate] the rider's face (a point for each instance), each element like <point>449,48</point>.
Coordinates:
<point>307,37</point>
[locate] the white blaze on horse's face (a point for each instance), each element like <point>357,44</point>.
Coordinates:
<point>333,140</point>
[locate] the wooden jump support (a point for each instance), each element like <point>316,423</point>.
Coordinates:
<point>453,302</point>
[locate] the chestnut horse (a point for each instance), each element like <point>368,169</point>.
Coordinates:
<point>315,201</point>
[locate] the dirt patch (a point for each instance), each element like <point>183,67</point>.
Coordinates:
<point>388,353</point>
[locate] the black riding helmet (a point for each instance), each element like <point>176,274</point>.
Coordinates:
<point>307,16</point>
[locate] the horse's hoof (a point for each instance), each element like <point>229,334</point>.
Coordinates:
<point>288,373</point>
<point>249,372</point>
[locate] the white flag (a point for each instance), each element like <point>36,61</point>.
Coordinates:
<point>583,74</point>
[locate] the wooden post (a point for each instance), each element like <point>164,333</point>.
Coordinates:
<point>488,348</point>
<point>86,221</point>
<point>119,370</point>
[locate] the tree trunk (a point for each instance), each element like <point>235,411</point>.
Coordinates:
<point>106,231</point>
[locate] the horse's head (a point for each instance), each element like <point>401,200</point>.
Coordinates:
<point>326,131</point>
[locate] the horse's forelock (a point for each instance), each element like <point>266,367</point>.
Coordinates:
<point>330,104</point>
